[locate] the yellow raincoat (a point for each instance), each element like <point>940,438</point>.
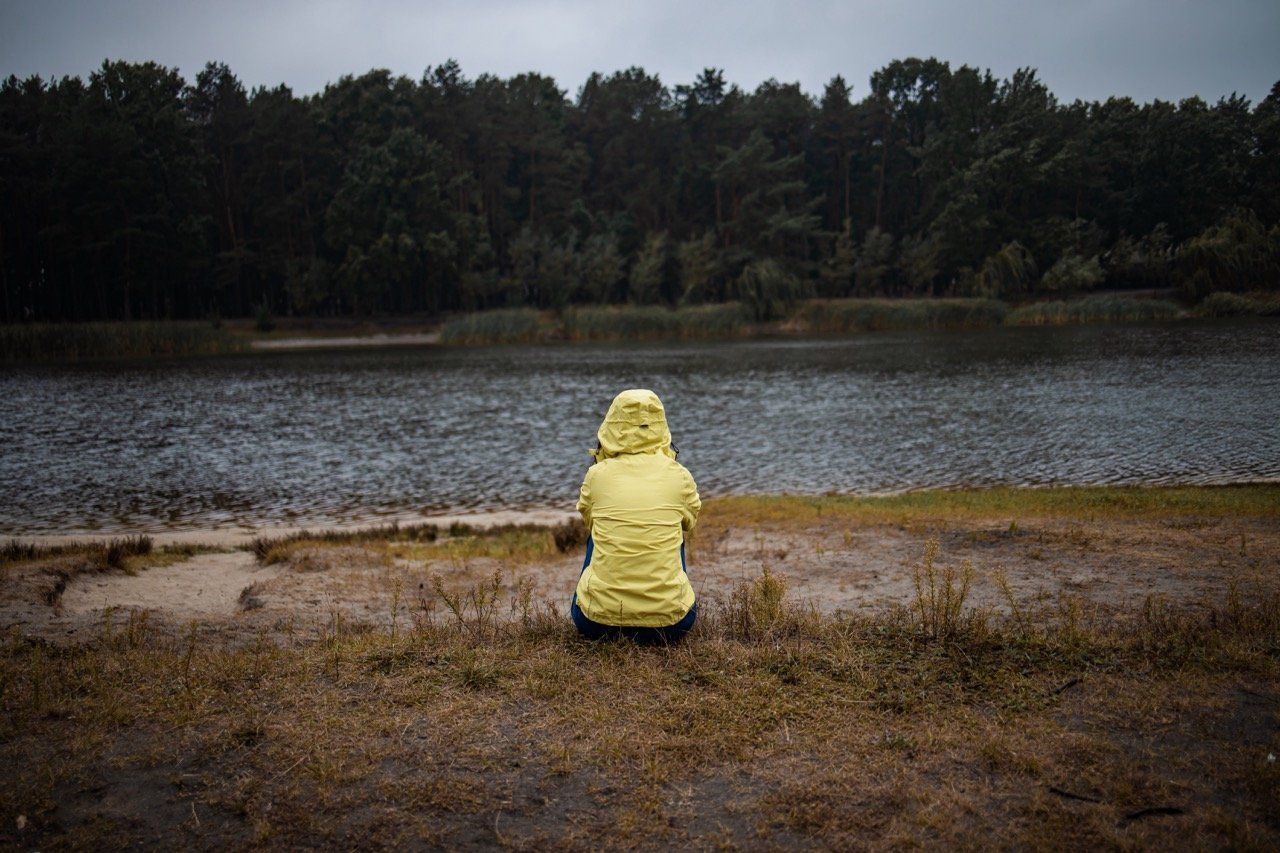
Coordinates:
<point>638,502</point>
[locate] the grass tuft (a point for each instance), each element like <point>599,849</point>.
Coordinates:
<point>755,608</point>
<point>426,542</point>
<point>116,551</point>
<point>15,550</point>
<point>570,535</point>
<point>127,554</point>
<point>940,595</point>
<point>275,549</point>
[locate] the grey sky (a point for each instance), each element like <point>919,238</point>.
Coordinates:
<point>1083,48</point>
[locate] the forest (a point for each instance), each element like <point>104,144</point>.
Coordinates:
<point>137,194</point>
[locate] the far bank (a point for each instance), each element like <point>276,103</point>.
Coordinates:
<point>69,342</point>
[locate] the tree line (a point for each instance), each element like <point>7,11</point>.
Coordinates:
<point>136,194</point>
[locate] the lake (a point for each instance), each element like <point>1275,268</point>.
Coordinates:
<point>319,437</point>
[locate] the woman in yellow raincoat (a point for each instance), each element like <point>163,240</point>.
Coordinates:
<point>638,503</point>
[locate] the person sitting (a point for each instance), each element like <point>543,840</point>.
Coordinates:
<point>638,504</point>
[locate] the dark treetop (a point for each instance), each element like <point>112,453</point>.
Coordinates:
<point>137,194</point>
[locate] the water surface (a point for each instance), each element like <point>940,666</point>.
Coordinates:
<point>315,437</point>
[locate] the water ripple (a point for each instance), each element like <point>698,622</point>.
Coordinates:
<point>314,437</point>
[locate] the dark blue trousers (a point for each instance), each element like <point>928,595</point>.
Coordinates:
<point>646,636</point>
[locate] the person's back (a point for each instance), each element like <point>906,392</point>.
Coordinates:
<point>638,502</point>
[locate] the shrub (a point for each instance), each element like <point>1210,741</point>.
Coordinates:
<point>1071,273</point>
<point>1008,272</point>
<point>1239,253</point>
<point>1140,263</point>
<point>767,290</point>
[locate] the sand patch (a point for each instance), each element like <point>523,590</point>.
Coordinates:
<point>207,585</point>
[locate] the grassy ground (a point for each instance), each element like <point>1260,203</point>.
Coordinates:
<point>470,715</point>
<point>128,554</point>
<point>652,322</point>
<point>59,342</point>
<point>842,316</point>
<point>813,317</point>
<point>1241,305</point>
<point>506,326</point>
<point>87,341</point>
<point>1083,503</point>
<point>1093,309</point>
<point>90,341</point>
<point>592,323</point>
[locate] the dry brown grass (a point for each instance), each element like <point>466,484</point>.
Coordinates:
<point>429,542</point>
<point>48,569</point>
<point>125,552</point>
<point>479,718</point>
<point>474,716</point>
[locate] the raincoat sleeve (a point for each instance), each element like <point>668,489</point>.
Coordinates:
<point>691,503</point>
<point>584,499</point>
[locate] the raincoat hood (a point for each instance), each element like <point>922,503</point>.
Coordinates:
<point>636,423</point>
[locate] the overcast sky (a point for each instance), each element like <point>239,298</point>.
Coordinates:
<point>1083,48</point>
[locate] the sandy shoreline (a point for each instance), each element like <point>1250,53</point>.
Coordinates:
<point>1184,548</point>
<point>238,536</point>
<point>348,341</point>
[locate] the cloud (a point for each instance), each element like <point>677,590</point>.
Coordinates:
<point>1084,49</point>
